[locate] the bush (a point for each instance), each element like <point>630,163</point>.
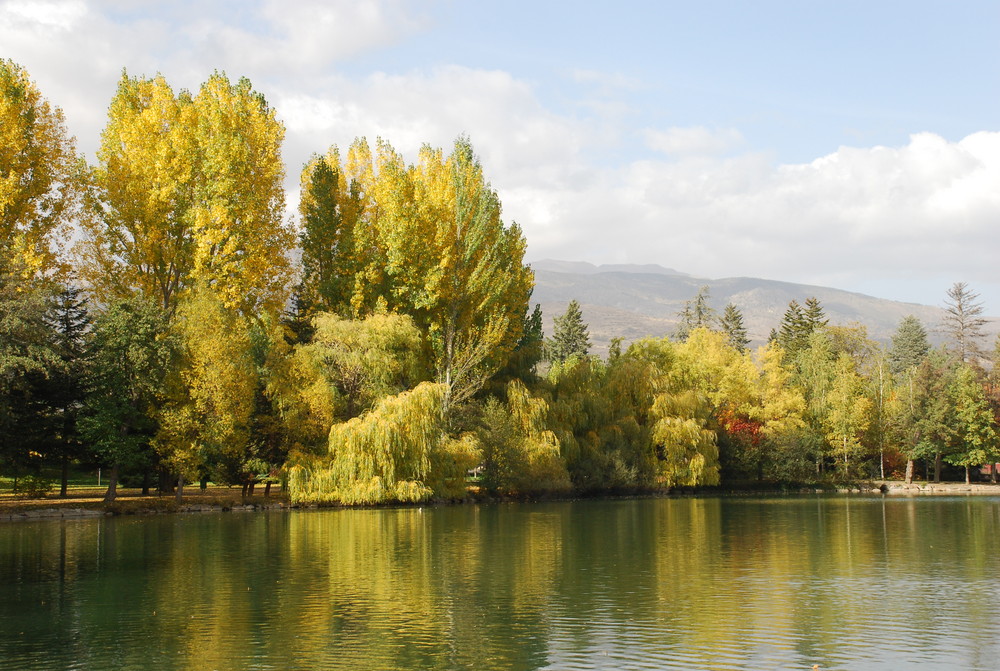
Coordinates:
<point>33,487</point>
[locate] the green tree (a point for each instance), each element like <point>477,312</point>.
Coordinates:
<point>696,313</point>
<point>909,345</point>
<point>975,432</point>
<point>732,325</point>
<point>798,323</point>
<point>330,209</point>
<point>130,353</point>
<point>964,322</point>
<point>69,322</point>
<point>570,336</point>
<point>28,360</point>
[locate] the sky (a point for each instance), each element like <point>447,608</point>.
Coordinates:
<point>847,144</point>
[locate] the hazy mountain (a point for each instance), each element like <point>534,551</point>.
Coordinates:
<point>634,301</point>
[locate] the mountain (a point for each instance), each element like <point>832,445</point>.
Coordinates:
<point>633,301</point>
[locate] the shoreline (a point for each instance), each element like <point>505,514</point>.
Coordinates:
<point>18,510</point>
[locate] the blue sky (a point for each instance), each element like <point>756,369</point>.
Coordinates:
<point>847,144</point>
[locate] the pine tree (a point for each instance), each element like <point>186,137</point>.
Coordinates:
<point>963,322</point>
<point>70,323</point>
<point>732,326</point>
<point>697,313</point>
<point>909,345</point>
<point>570,336</point>
<point>798,324</point>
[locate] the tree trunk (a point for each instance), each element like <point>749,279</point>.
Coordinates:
<point>937,467</point>
<point>250,487</point>
<point>180,488</point>
<point>993,473</point>
<point>267,489</point>
<point>112,492</point>
<point>145,482</point>
<point>967,475</point>
<point>909,471</point>
<point>64,476</point>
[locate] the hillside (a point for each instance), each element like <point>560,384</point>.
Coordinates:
<point>638,301</point>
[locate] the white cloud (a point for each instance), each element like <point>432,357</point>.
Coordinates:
<point>854,218</point>
<point>693,141</point>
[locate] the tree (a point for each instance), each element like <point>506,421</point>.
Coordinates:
<point>188,189</point>
<point>39,174</point>
<point>205,423</point>
<point>28,360</point>
<point>798,323</point>
<point>330,209</point>
<point>70,323</point>
<point>570,337</point>
<point>434,247</point>
<point>130,353</point>
<point>909,345</point>
<point>975,433</point>
<point>732,325</point>
<point>697,313</point>
<point>963,322</point>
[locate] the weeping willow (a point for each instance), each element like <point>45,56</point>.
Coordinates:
<point>397,452</point>
<point>689,453</point>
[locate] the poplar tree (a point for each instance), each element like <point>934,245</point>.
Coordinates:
<point>570,336</point>
<point>188,189</point>
<point>39,174</point>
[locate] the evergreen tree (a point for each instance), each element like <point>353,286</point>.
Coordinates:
<point>798,324</point>
<point>814,315</point>
<point>570,336</point>
<point>909,345</point>
<point>732,326</point>
<point>963,322</point>
<point>70,323</point>
<point>697,313</point>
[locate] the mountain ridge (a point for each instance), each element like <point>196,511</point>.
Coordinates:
<point>636,301</point>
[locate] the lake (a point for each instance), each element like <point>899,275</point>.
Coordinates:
<point>845,582</point>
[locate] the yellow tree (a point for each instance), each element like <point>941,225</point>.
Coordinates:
<point>138,234</point>
<point>206,421</point>
<point>241,242</point>
<point>476,289</point>
<point>39,178</point>
<point>188,190</point>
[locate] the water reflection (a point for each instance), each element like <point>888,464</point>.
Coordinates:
<point>699,583</point>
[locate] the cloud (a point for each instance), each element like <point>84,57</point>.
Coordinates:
<point>704,201</point>
<point>693,141</point>
<point>868,219</point>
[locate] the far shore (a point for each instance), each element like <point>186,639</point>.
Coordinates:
<point>90,503</point>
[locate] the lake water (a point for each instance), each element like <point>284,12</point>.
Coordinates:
<point>845,582</point>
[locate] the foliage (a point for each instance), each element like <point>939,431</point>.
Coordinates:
<point>697,313</point>
<point>206,420</point>
<point>388,454</point>
<point>131,351</point>
<point>40,181</point>
<point>909,345</point>
<point>570,337</point>
<point>175,203</point>
<point>731,323</point>
<point>964,322</point>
